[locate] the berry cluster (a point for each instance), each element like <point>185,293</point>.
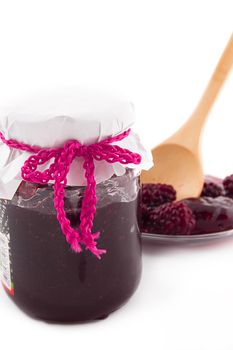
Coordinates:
<point>157,194</point>
<point>153,196</point>
<point>211,189</point>
<point>175,218</point>
<point>211,212</point>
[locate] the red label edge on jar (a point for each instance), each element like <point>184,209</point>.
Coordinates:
<point>5,263</point>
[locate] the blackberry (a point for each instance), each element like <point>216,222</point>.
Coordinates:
<point>211,189</point>
<point>172,219</point>
<point>228,186</point>
<point>154,195</point>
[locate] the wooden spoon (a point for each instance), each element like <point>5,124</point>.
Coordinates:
<point>178,159</point>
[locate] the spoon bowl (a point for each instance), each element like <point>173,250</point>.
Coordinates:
<point>177,167</point>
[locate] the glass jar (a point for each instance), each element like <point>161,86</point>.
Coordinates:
<point>45,277</point>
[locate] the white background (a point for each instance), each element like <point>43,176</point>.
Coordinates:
<point>161,54</point>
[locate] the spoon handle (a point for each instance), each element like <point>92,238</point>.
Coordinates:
<point>216,82</point>
<point>191,130</point>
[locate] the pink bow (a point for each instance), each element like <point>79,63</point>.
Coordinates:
<point>58,170</point>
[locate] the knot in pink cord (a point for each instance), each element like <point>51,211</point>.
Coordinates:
<point>58,171</point>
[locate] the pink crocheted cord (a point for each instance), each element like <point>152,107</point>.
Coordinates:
<point>57,172</point>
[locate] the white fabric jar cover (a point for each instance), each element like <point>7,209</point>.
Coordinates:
<point>52,118</point>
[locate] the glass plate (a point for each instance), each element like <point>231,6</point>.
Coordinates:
<point>189,238</point>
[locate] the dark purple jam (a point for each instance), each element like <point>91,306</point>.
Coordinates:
<point>211,214</point>
<point>53,283</point>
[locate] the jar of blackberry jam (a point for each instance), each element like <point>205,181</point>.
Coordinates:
<point>69,240</point>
